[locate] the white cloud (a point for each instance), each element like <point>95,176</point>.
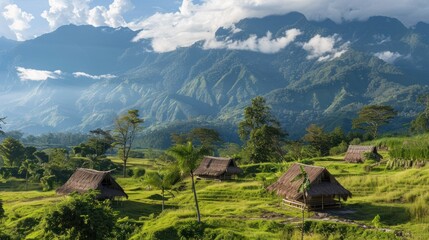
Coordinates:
<point>265,44</point>
<point>112,16</point>
<point>19,20</point>
<point>28,74</point>
<point>65,12</point>
<point>79,12</point>
<point>323,48</point>
<point>388,56</point>
<point>96,77</point>
<point>199,21</point>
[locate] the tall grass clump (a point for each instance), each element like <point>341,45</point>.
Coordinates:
<point>419,210</point>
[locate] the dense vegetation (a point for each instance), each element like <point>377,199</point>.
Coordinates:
<point>389,197</point>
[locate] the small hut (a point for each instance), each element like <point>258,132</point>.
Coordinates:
<point>85,179</point>
<point>217,168</point>
<point>324,188</point>
<point>356,153</point>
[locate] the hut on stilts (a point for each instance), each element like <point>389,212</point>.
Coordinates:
<point>325,191</point>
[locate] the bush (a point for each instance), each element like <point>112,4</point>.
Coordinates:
<point>355,141</point>
<point>341,148</point>
<point>80,217</point>
<point>138,172</point>
<point>7,172</point>
<point>190,230</point>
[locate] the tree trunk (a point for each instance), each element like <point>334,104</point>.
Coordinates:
<point>162,199</point>
<point>26,180</point>
<point>125,168</point>
<point>303,212</point>
<point>195,198</point>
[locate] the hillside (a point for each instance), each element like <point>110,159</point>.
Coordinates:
<point>242,209</point>
<point>308,71</point>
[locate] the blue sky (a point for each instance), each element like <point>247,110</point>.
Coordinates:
<point>180,23</point>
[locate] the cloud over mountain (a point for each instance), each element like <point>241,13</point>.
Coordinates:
<point>195,22</point>
<point>323,48</point>
<point>78,12</point>
<point>264,44</point>
<point>28,74</point>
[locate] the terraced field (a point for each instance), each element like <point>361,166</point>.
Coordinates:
<point>242,208</point>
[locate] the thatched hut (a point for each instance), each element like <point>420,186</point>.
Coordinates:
<point>85,179</point>
<point>356,153</point>
<point>217,168</point>
<point>324,188</point>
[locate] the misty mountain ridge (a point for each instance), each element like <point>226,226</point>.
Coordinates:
<point>309,72</point>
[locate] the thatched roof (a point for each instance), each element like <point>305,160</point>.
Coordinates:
<point>216,166</point>
<point>85,179</point>
<point>322,183</point>
<point>355,153</point>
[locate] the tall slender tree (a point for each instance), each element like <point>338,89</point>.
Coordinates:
<point>126,128</point>
<point>187,157</point>
<point>261,132</point>
<point>303,188</point>
<point>371,117</point>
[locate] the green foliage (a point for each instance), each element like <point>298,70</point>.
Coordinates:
<point>187,156</point>
<point>421,123</point>
<point>340,231</point>
<point>81,217</point>
<point>376,221</point>
<point>261,132</point>
<point>190,230</point>
<point>12,152</point>
<point>419,209</point>
<point>126,128</point>
<point>138,172</point>
<point>318,139</point>
<point>371,117</point>
<point>341,148</point>
<point>355,141</point>
<point>1,210</point>
<point>296,151</point>
<point>221,234</point>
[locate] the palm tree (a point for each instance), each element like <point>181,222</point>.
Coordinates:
<point>187,157</point>
<point>27,167</point>
<point>162,180</point>
<point>303,188</point>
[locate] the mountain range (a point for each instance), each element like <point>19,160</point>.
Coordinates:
<point>79,78</point>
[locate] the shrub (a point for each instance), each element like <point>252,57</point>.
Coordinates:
<point>341,148</point>
<point>419,209</point>
<point>376,221</point>
<point>138,172</point>
<point>355,141</point>
<point>80,217</point>
<point>190,230</point>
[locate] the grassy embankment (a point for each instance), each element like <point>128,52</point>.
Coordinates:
<point>243,209</point>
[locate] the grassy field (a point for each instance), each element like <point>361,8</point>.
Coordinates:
<point>242,209</point>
